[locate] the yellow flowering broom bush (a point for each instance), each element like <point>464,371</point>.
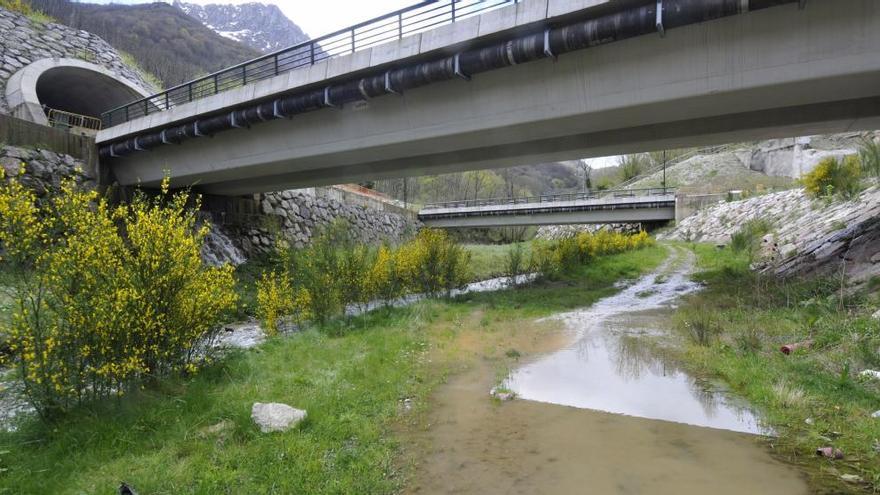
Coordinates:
<point>320,281</point>
<point>278,302</point>
<point>110,296</point>
<point>555,257</point>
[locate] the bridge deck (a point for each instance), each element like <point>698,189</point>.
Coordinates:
<point>649,205</point>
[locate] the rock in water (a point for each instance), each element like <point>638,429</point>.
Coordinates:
<point>274,416</point>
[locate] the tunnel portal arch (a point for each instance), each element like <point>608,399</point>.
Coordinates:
<point>70,85</point>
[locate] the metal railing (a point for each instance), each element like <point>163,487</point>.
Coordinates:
<point>70,120</point>
<point>389,27</point>
<point>553,198</point>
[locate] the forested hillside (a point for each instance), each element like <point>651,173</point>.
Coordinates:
<point>161,38</point>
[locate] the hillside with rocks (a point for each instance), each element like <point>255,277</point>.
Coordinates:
<point>161,38</point>
<point>765,165</point>
<point>806,235</point>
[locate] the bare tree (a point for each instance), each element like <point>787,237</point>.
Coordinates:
<point>587,173</point>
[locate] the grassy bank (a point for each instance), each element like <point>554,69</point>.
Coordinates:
<point>195,435</point>
<point>812,398</point>
<point>491,260</point>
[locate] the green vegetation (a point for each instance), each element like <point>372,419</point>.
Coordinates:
<point>491,260</point>
<point>835,177</point>
<point>632,166</point>
<point>164,40</point>
<point>24,7</point>
<point>869,155</point>
<point>105,297</point>
<point>747,240</point>
<point>813,397</point>
<point>185,435</point>
<point>151,79</point>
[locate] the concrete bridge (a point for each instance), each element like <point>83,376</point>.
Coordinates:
<point>624,206</point>
<point>524,82</point>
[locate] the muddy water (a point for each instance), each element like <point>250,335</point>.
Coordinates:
<point>559,436</point>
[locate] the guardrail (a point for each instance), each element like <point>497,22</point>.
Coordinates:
<point>69,120</point>
<point>553,198</point>
<point>392,26</point>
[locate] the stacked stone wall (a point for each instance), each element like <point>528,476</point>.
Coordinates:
<point>299,215</point>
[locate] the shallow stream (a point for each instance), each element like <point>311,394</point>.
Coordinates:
<point>607,413</point>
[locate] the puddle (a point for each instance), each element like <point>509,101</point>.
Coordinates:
<point>611,367</point>
<point>561,440</point>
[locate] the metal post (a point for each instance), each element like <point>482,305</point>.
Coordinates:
<point>243,75</point>
<point>189,89</point>
<point>352,41</point>
<point>275,59</point>
<point>216,84</point>
<point>167,105</point>
<point>453,10</point>
<point>400,25</point>
<point>312,51</point>
<point>664,172</point>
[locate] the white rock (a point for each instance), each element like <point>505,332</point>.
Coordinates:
<point>870,374</point>
<point>876,315</point>
<point>275,416</point>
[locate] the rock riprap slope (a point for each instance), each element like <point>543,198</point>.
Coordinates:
<point>807,235</point>
<point>24,41</point>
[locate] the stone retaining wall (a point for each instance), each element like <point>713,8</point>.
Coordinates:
<point>299,215</point>
<point>44,169</point>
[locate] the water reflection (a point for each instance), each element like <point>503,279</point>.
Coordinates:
<point>612,367</point>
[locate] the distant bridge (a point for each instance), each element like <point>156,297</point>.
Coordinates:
<point>624,206</point>
<point>453,85</point>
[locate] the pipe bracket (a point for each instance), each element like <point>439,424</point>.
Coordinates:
<point>327,102</point>
<point>547,50</point>
<point>276,110</point>
<point>456,64</point>
<point>659,23</point>
<point>388,88</point>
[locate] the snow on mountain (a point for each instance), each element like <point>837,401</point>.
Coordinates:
<point>260,26</point>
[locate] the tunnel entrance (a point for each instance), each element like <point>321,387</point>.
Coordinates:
<point>68,93</point>
<point>81,91</point>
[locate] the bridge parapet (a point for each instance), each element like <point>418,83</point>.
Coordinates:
<point>547,199</point>
<point>621,206</point>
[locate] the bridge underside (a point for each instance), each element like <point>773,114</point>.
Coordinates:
<point>770,73</point>
<point>633,215</point>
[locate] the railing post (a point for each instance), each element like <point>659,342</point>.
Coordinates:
<point>167,105</point>
<point>243,75</point>
<point>146,107</point>
<point>452,3</point>
<point>352,41</point>
<point>216,83</point>
<point>126,114</point>
<point>312,51</point>
<point>189,90</point>
<point>276,64</point>
<point>400,25</point>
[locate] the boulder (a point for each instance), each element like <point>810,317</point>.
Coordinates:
<point>274,416</point>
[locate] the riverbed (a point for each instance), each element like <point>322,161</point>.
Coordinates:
<point>603,412</point>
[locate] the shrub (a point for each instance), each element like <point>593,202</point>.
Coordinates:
<point>514,261</point>
<point>433,263</point>
<point>111,295</point>
<point>869,155</point>
<point>554,258</point>
<point>748,238</point>
<point>632,166</point>
<point>832,176</point>
<point>278,302</point>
